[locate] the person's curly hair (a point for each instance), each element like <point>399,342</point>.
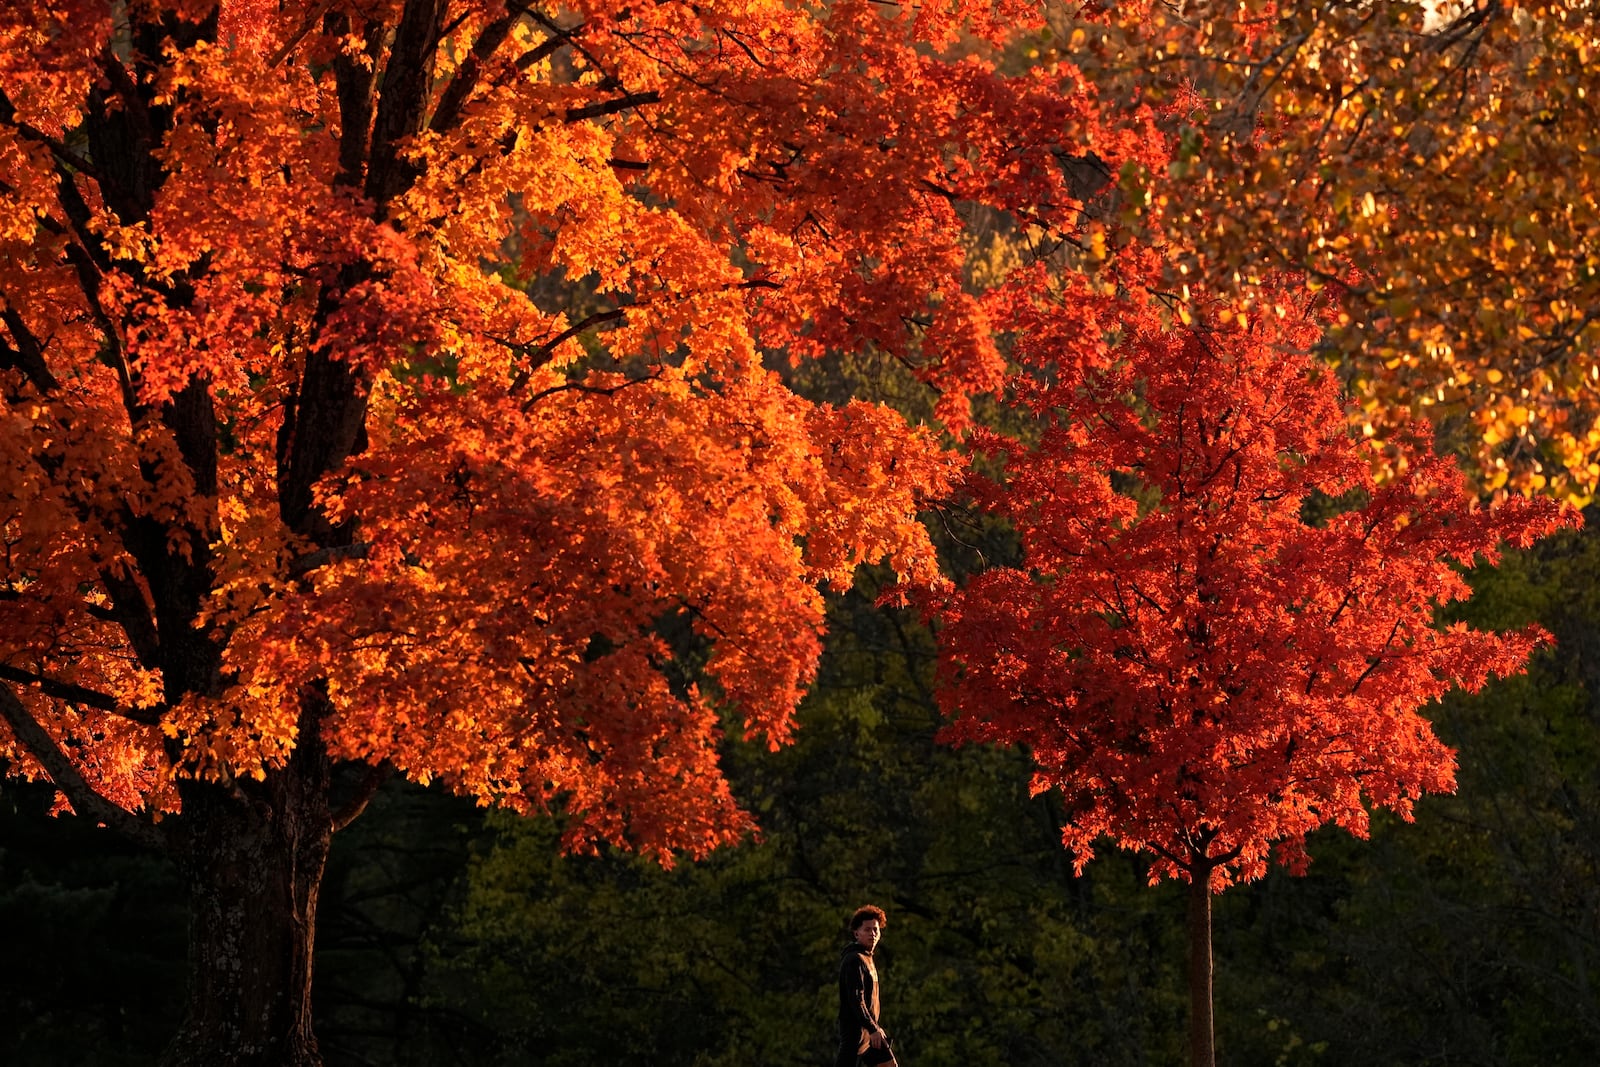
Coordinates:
<point>865,912</point>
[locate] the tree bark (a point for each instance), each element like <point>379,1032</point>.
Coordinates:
<point>253,857</point>
<point>1202,1040</point>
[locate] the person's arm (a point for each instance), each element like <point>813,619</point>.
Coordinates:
<point>853,993</point>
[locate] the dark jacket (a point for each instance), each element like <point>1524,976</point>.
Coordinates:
<point>858,992</point>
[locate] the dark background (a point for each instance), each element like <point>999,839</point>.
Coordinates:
<point>449,935</point>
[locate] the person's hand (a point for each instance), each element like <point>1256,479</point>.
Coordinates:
<point>878,1039</point>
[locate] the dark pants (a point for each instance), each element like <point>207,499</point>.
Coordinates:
<point>861,1050</point>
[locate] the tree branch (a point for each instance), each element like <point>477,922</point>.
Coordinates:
<point>580,387</point>
<point>8,116</point>
<point>351,809</point>
<point>309,562</point>
<point>608,80</point>
<point>549,46</point>
<point>66,777</point>
<point>625,102</point>
<point>28,353</point>
<point>402,98</point>
<point>1376,661</point>
<point>541,355</point>
<point>79,694</point>
<point>465,79</point>
<point>311,19</point>
<point>131,611</point>
<point>353,81</point>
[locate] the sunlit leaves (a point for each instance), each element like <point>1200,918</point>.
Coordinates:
<point>1204,671</point>
<point>1438,159</point>
<point>411,389</point>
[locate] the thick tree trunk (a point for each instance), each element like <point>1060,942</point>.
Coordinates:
<point>1202,1043</point>
<point>253,864</point>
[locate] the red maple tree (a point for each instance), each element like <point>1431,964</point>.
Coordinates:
<point>395,384</point>
<point>1222,629</point>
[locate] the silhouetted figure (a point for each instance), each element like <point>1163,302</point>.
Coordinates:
<point>861,1039</point>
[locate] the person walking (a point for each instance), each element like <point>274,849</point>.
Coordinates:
<point>861,1038</point>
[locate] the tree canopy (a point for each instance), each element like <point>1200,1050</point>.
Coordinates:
<point>1203,663</point>
<point>1433,162</point>
<point>402,385</point>
<point>427,386</point>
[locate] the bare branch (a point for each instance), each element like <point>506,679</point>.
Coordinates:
<point>351,809</point>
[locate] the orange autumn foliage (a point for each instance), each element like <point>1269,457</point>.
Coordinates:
<point>406,379</point>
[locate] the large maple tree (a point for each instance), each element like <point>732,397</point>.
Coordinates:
<point>396,384</point>
<point>1222,629</point>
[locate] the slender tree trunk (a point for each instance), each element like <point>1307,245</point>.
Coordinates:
<point>253,862</point>
<point>1202,1041</point>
